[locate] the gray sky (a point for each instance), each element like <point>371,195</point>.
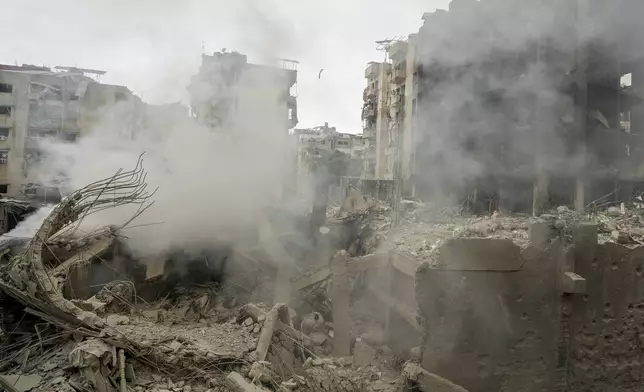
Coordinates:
<point>154,46</point>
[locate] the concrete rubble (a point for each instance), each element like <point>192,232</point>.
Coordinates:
<point>166,330</point>
<point>136,333</point>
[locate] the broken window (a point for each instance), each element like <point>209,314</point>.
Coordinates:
<point>70,137</point>
<point>5,110</point>
<point>4,133</point>
<point>4,188</point>
<point>6,88</point>
<point>44,92</point>
<point>4,156</point>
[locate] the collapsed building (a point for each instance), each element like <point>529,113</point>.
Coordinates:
<point>62,105</point>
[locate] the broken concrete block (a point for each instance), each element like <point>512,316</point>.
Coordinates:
<point>571,283</point>
<point>129,372</point>
<point>621,237</point>
<point>22,382</point>
<point>152,315</point>
<point>540,234</point>
<point>480,254</point>
<point>429,381</point>
<point>261,371</point>
<point>363,354</point>
<point>114,320</point>
<point>237,383</point>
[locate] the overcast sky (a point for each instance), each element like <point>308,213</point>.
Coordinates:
<point>154,46</point>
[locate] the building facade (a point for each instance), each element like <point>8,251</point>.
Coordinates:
<point>314,142</point>
<point>389,111</point>
<point>227,88</point>
<point>38,104</point>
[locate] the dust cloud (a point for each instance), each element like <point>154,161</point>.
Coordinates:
<point>212,184</point>
<point>489,98</point>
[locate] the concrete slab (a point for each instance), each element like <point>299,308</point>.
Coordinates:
<point>480,254</point>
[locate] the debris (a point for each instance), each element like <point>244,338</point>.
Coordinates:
<point>20,383</point>
<point>252,311</point>
<point>237,383</point>
<point>130,375</point>
<point>123,381</point>
<point>261,371</point>
<point>151,314</point>
<point>114,320</point>
<point>278,312</point>
<point>613,212</point>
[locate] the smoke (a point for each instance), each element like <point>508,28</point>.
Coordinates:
<point>212,184</point>
<point>28,227</point>
<point>497,97</point>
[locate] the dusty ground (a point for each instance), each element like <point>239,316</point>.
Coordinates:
<point>425,228</point>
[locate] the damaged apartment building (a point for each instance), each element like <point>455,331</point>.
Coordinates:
<point>388,115</point>
<point>60,104</point>
<point>227,87</point>
<point>314,142</point>
<point>505,106</point>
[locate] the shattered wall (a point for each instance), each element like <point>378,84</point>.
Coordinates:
<point>490,315</point>
<point>607,324</point>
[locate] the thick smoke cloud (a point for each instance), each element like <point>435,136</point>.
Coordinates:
<point>496,87</point>
<point>212,186</point>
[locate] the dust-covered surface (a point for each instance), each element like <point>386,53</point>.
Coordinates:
<point>425,228</point>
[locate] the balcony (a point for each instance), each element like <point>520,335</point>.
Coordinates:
<point>372,70</point>
<point>6,121</point>
<point>399,74</point>
<point>369,93</point>
<point>369,112</point>
<point>398,51</point>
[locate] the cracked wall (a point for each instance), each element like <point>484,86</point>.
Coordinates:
<point>607,324</point>
<point>491,315</point>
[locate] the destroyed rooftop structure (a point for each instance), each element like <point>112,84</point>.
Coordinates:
<point>227,87</point>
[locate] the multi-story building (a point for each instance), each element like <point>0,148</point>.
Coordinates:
<point>227,88</point>
<point>375,119</point>
<point>388,112</point>
<point>38,103</point>
<point>314,141</point>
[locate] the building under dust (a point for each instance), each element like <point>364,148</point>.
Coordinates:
<point>503,105</point>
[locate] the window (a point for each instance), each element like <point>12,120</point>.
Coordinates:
<point>120,96</point>
<point>4,133</point>
<point>4,156</point>
<point>70,137</point>
<point>4,188</point>
<point>6,88</point>
<point>5,110</point>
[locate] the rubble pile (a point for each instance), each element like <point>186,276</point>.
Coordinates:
<point>133,333</point>
<point>369,218</point>
<point>425,228</point>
